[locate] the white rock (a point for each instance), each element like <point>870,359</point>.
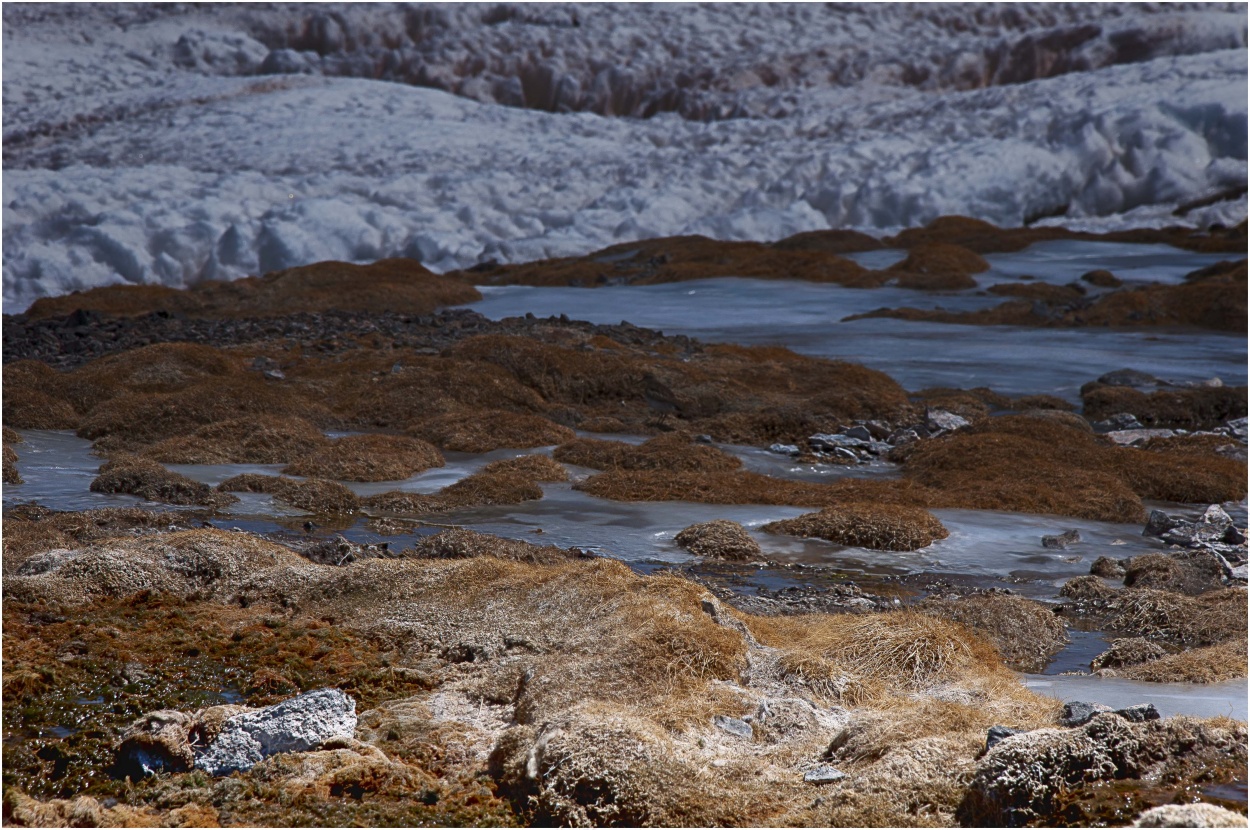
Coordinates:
<point>295,725</point>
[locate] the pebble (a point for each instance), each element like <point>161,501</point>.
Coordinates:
<point>823,775</point>
<point>734,726</point>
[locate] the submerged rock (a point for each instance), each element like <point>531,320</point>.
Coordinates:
<point>1062,541</point>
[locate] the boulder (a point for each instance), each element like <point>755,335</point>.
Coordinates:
<point>296,725</point>
<point>997,733</point>
<point>1079,713</point>
<point>940,419</point>
<point>1107,567</point>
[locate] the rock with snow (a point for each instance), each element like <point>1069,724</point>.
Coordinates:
<point>940,419</point>
<point>1131,437</point>
<point>295,725</point>
<point>823,775</point>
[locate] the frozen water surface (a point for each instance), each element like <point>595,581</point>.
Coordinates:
<point>1202,700</point>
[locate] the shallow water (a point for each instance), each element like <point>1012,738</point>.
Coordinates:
<point>808,317</point>
<point>1203,700</point>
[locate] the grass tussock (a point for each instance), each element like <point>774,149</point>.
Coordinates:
<point>671,451</point>
<point>480,432</point>
<point>31,399</point>
<point>742,487</point>
<point>939,266</point>
<point>720,539</point>
<point>468,544</point>
<point>680,258</point>
<point>1183,574</point>
<point>1212,618</point>
<point>1041,466</point>
<point>386,285</point>
<point>507,481</point>
<point>1210,664</point>
<point>257,439</point>
<point>315,495</point>
<point>1199,408</point>
<point>1026,633</point>
<point>149,480</point>
<point>11,475</point>
<point>867,525</point>
<point>368,458</point>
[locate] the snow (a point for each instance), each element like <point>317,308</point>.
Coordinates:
<point>146,145</point>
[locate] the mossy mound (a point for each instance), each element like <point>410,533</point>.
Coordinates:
<point>386,285</point>
<point>315,495</point>
<point>508,481</point>
<point>1210,619</point>
<point>368,458</point>
<point>867,525</point>
<point>1200,408</point>
<point>1026,633</point>
<point>258,439</point>
<point>480,432</point>
<point>11,475</point>
<point>719,539</point>
<point>149,480</point>
<point>939,266</point>
<point>674,451</point>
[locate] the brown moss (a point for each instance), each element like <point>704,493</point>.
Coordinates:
<point>258,439</point>
<point>1010,313</point>
<point>314,495</point>
<point>867,525</point>
<point>129,422</point>
<point>719,539</point>
<point>160,368</point>
<point>1217,303</point>
<point>1102,278</point>
<point>938,266</point>
<point>534,467</point>
<point>1046,292</point>
<point>679,258</point>
<point>508,481</point>
<point>1026,633</point>
<point>741,487</point>
<point>11,475</point>
<point>149,480</point>
<point>387,285</point>
<point>31,398</point>
<point>830,241</point>
<point>673,451</point>
<point>1041,402</point>
<point>603,424</point>
<point>1039,466</point>
<point>484,431</point>
<point>368,458</point>
<point>1199,408</point>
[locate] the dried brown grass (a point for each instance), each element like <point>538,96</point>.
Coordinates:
<point>1212,664</point>
<point>1200,408</point>
<point>387,285</point>
<point>1212,618</point>
<point>939,266</point>
<point>149,480</point>
<point>672,451</point>
<point>367,458</point>
<point>314,494</point>
<point>719,539</point>
<point>1026,633</point>
<point>867,525</point>
<point>258,439</point>
<point>484,431</point>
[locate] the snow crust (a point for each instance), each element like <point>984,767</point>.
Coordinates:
<point>168,144</point>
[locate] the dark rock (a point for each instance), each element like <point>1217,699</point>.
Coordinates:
<point>784,449</point>
<point>1062,541</point>
<point>1128,377</point>
<point>1210,527</point>
<point>1159,523</point>
<point>1078,713</point>
<point>903,436</point>
<point>1117,422</point>
<point>1107,567</point>
<point>1139,713</point>
<point>859,432</point>
<point>996,734</point>
<point>734,726</point>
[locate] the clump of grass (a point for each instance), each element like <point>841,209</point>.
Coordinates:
<point>484,431</point>
<point>315,495</point>
<point>719,539</point>
<point>1199,408</point>
<point>1026,633</point>
<point>672,451</point>
<point>1212,618</point>
<point>149,480</point>
<point>867,525</point>
<point>939,266</point>
<point>1210,664</point>
<point>258,439</point>
<point>368,458</point>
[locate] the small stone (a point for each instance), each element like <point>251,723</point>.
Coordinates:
<point>941,419</point>
<point>996,734</point>
<point>274,374</point>
<point>1079,713</point>
<point>1062,540</point>
<point>1132,437</point>
<point>703,439</point>
<point>1238,427</point>
<point>1118,421</point>
<point>1139,713</point>
<point>845,454</point>
<point>823,775</point>
<point>859,432</point>
<point>784,449</point>
<point>1107,567</point>
<point>903,436</point>
<point>734,726</point>
<point>1128,377</point>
